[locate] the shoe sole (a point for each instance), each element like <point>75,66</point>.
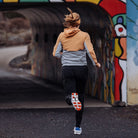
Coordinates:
<point>77,133</point>
<point>75,101</point>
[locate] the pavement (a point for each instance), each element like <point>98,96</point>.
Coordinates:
<point>98,122</point>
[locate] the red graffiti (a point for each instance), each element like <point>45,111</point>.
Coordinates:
<point>113,7</point>
<point>118,80</point>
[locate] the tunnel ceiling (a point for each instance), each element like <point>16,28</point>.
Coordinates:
<point>50,16</point>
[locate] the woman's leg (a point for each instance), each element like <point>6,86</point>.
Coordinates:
<point>80,113</point>
<point>69,83</point>
<point>74,80</point>
<point>81,76</point>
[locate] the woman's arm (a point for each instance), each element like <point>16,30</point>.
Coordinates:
<point>90,51</point>
<point>57,48</point>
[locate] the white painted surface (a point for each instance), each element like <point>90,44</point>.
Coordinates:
<point>118,33</point>
<point>123,1</point>
<point>124,82</point>
<point>56,0</point>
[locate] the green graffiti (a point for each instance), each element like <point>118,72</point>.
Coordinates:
<point>114,19</point>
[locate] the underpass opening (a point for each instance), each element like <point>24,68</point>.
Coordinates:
<point>15,31</point>
<point>46,23</point>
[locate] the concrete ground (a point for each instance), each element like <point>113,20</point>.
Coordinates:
<point>97,122</point>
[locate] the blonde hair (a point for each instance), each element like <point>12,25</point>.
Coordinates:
<point>72,19</point>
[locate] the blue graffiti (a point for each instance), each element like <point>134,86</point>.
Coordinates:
<point>136,57</point>
<point>120,20</point>
<point>135,29</point>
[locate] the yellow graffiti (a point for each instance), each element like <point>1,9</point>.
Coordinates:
<point>118,50</point>
<point>92,1</point>
<point>106,90</point>
<point>111,88</point>
<point>105,96</point>
<point>33,69</point>
<point>10,0</point>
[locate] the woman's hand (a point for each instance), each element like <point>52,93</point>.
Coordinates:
<point>98,65</point>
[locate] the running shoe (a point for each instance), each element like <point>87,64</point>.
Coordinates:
<point>77,130</point>
<point>75,101</point>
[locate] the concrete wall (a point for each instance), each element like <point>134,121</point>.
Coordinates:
<point>132,52</point>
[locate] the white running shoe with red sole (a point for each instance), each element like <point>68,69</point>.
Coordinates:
<point>75,101</point>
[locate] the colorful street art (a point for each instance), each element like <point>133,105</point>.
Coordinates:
<point>132,51</point>
<point>110,82</point>
<point>117,10</point>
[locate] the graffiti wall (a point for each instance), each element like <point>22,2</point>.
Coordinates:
<point>132,51</point>
<point>109,83</point>
<point>113,84</point>
<point>117,10</point>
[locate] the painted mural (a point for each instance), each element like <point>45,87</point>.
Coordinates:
<point>110,85</point>
<point>114,75</point>
<point>132,51</point>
